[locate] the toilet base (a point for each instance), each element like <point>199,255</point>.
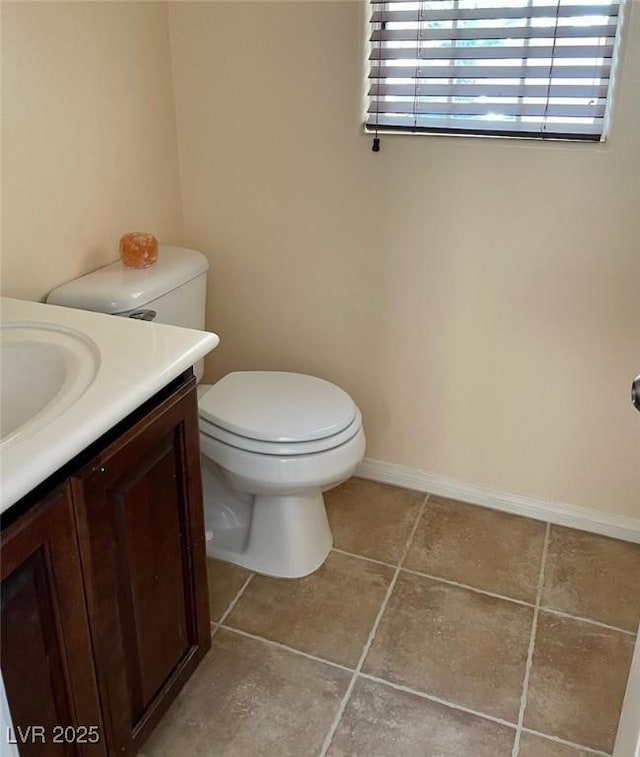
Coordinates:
<point>289,536</point>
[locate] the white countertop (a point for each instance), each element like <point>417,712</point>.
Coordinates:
<point>136,360</point>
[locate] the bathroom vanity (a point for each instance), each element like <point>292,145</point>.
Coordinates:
<point>104,587</point>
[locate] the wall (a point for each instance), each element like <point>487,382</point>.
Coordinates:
<point>89,145</point>
<point>478,298</point>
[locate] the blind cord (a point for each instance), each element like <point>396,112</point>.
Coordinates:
<point>553,60</point>
<point>416,84</point>
<point>375,146</point>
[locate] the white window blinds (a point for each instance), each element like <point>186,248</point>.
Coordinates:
<point>538,68</point>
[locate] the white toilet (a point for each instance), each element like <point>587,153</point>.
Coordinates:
<point>271,442</point>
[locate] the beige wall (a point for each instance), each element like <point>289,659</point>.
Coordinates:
<point>89,146</point>
<point>478,298</point>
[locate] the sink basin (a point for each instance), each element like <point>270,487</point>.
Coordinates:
<point>43,370</point>
<point>69,375</point>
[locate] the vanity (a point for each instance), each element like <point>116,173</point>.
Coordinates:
<point>104,588</point>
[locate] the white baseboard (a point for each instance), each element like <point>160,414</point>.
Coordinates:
<point>559,513</point>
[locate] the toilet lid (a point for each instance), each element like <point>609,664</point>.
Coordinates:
<point>280,449</point>
<point>275,406</point>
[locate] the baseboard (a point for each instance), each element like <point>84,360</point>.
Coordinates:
<point>559,513</point>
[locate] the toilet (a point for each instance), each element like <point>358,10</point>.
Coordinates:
<point>271,442</point>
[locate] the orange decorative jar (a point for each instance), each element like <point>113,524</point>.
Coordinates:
<point>138,249</point>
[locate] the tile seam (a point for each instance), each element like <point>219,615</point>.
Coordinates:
<point>468,587</point>
<point>590,621</point>
<point>232,604</point>
<point>486,592</point>
<point>558,740</point>
<point>363,557</point>
<point>398,568</point>
<point>372,634</point>
<point>407,689</point>
<point>286,648</point>
<point>532,641</point>
<point>438,700</point>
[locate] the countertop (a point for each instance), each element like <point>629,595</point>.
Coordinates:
<point>135,360</point>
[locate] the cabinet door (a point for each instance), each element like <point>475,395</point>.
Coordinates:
<point>46,658</point>
<point>141,527</point>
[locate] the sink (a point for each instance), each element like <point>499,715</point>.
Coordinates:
<point>67,376</point>
<point>43,370</point>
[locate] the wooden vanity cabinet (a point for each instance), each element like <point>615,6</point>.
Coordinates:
<point>140,523</point>
<point>46,657</point>
<point>139,535</point>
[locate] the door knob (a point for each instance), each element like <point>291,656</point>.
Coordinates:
<point>635,392</point>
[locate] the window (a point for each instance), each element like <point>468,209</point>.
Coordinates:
<point>528,68</point>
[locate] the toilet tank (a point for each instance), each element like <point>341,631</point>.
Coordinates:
<point>173,291</point>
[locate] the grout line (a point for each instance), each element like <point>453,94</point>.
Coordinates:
<point>558,740</point>
<point>587,620</point>
<point>286,648</point>
<point>437,700</point>
<point>362,557</point>
<point>405,549</point>
<point>232,604</point>
<point>357,672</point>
<point>487,593</point>
<point>372,634</point>
<point>532,641</point>
<point>408,689</point>
<point>468,587</point>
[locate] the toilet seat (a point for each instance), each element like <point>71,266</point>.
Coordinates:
<point>281,449</point>
<point>277,413</point>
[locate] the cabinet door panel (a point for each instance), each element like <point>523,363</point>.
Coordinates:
<point>46,657</point>
<point>139,508</point>
<point>150,534</point>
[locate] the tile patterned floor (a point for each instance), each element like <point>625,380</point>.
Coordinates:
<point>434,629</point>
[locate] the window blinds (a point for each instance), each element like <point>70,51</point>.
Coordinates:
<point>538,68</point>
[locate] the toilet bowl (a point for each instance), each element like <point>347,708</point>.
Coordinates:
<point>271,443</point>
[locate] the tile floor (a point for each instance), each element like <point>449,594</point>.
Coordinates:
<point>434,629</point>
